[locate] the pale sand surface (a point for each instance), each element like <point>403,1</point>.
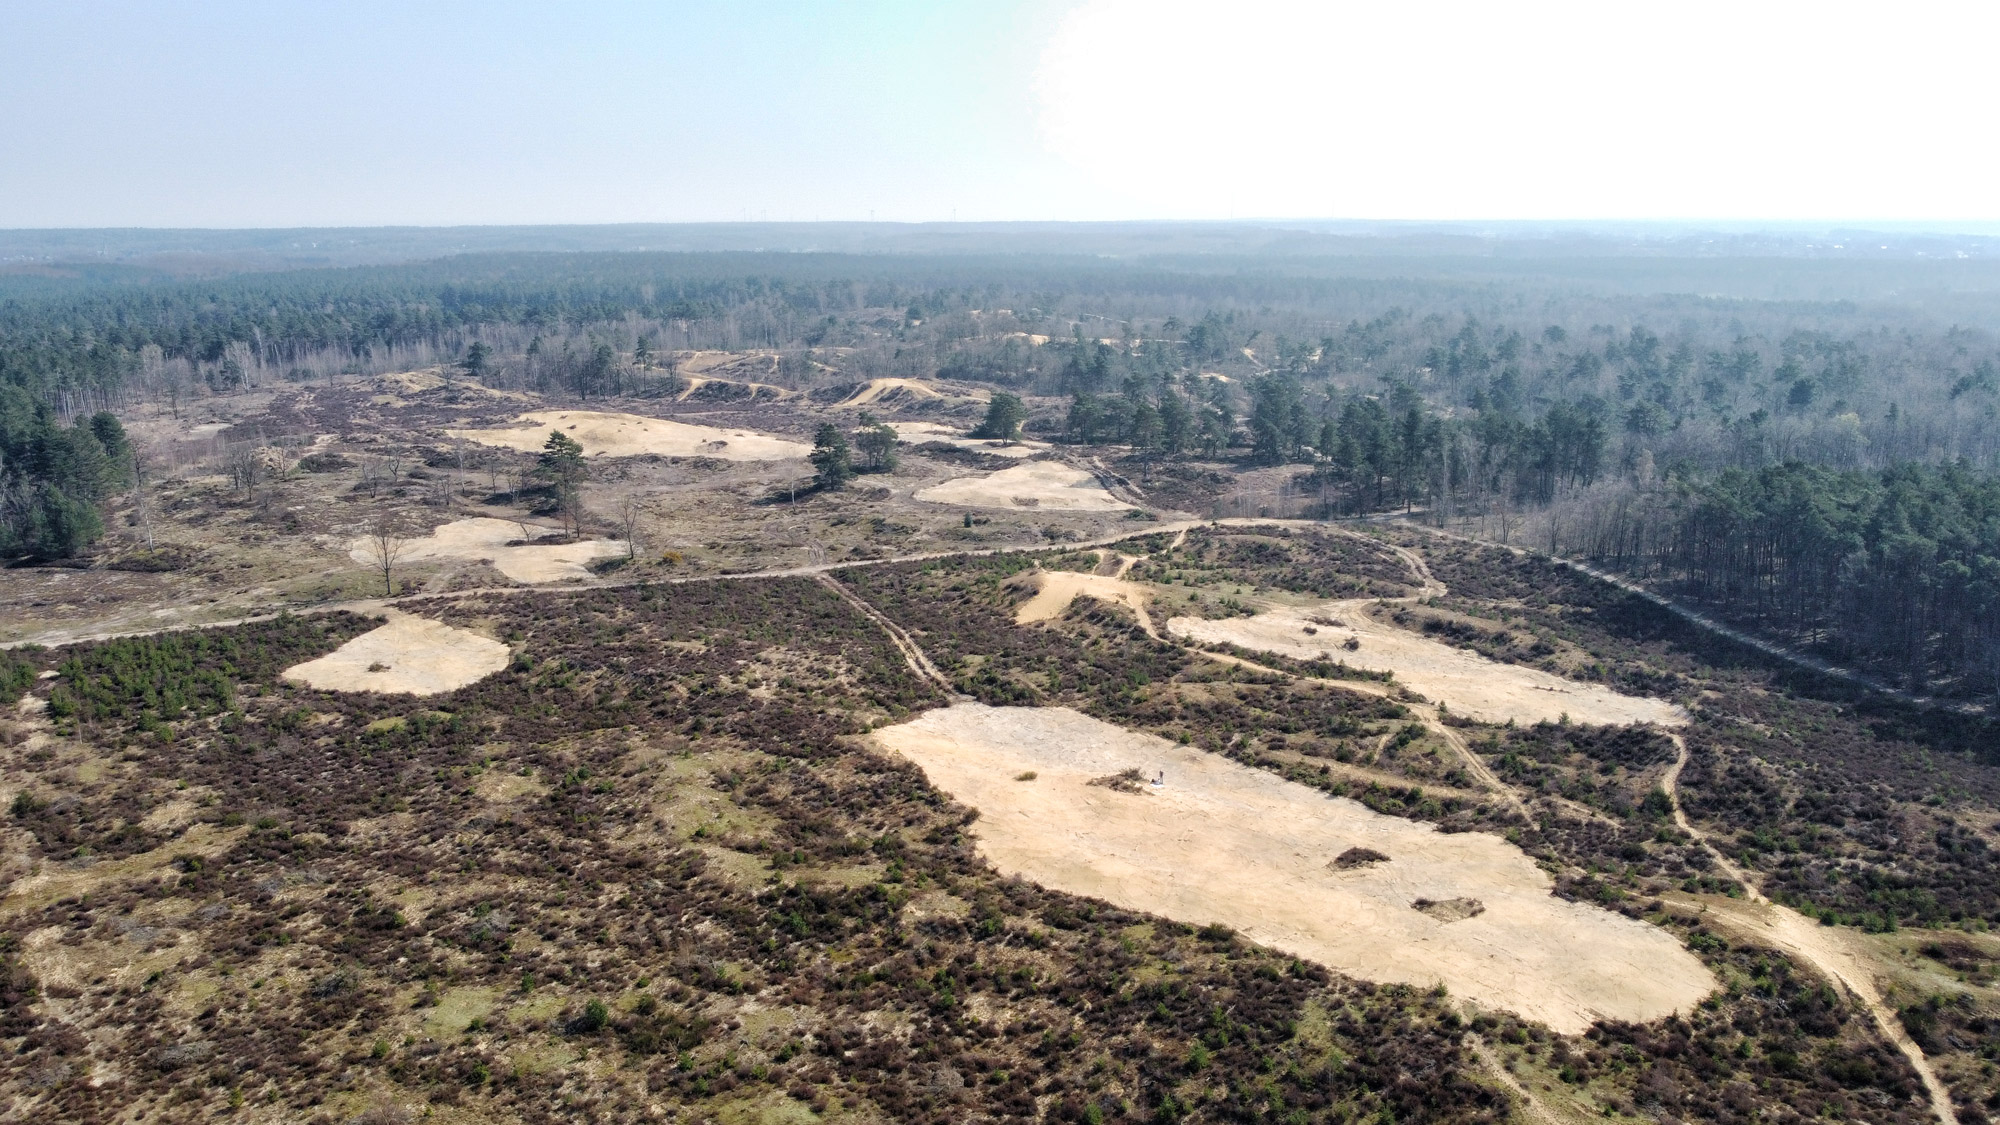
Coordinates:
<point>419,655</point>
<point>485,538</point>
<point>917,433</point>
<point>1221,842</point>
<point>1037,484</point>
<point>629,435</point>
<point>1468,683</point>
<point>876,388</point>
<point>1056,589</point>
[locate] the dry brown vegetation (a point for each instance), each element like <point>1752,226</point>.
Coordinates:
<point>654,862</point>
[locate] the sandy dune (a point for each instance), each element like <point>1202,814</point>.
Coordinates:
<point>1037,484</point>
<point>1463,680</point>
<point>629,435</point>
<point>1220,842</point>
<point>874,389</point>
<point>918,433</point>
<point>412,654</point>
<point>486,538</point>
<point>1056,589</point>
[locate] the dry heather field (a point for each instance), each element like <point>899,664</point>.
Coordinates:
<point>917,802</point>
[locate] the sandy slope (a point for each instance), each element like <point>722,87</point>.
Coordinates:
<point>484,538</point>
<point>629,435</point>
<point>1465,681</point>
<point>412,654</point>
<point>1221,842</point>
<point>1037,484</point>
<point>1056,589</point>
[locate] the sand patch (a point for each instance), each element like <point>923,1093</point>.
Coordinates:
<point>484,539</point>
<point>409,654</point>
<point>901,390</point>
<point>920,433</point>
<point>1056,589</point>
<point>1038,484</point>
<point>1463,680</point>
<point>1222,842</point>
<point>630,435</point>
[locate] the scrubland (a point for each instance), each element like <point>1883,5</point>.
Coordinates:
<point>554,832</point>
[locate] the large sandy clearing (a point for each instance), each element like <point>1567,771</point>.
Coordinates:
<point>412,654</point>
<point>485,539</point>
<point>1038,484</point>
<point>1463,680</point>
<point>1221,842</point>
<point>629,435</point>
<point>1056,589</point>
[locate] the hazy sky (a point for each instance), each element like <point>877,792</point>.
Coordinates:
<point>228,113</point>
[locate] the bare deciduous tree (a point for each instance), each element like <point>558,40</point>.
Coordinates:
<point>246,467</point>
<point>629,511</point>
<point>386,546</point>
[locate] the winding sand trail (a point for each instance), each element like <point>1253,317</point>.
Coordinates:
<point>1828,950</point>
<point>1224,842</point>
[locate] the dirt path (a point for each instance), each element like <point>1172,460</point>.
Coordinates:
<point>1533,1106</point>
<point>913,655</point>
<point>1825,948</point>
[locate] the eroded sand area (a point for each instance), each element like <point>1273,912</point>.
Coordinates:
<point>1056,589</point>
<point>1222,842</point>
<point>630,435</point>
<point>1037,484</point>
<point>484,539</point>
<point>1463,680</point>
<point>409,654</point>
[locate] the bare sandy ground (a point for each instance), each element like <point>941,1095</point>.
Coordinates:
<point>1037,484</point>
<point>412,654</point>
<point>1221,842</point>
<point>485,539</point>
<point>1056,589</point>
<point>876,388</point>
<point>1465,681</point>
<point>921,432</point>
<point>629,435</point>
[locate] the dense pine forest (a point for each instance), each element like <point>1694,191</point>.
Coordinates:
<point>1823,469</point>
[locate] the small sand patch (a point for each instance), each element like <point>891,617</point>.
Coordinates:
<point>909,390</point>
<point>630,435</point>
<point>1056,589</point>
<point>919,433</point>
<point>1465,681</point>
<point>486,539</point>
<point>1039,484</point>
<point>409,654</point>
<point>1222,842</point>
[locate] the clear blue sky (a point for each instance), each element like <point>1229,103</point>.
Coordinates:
<point>227,113</point>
